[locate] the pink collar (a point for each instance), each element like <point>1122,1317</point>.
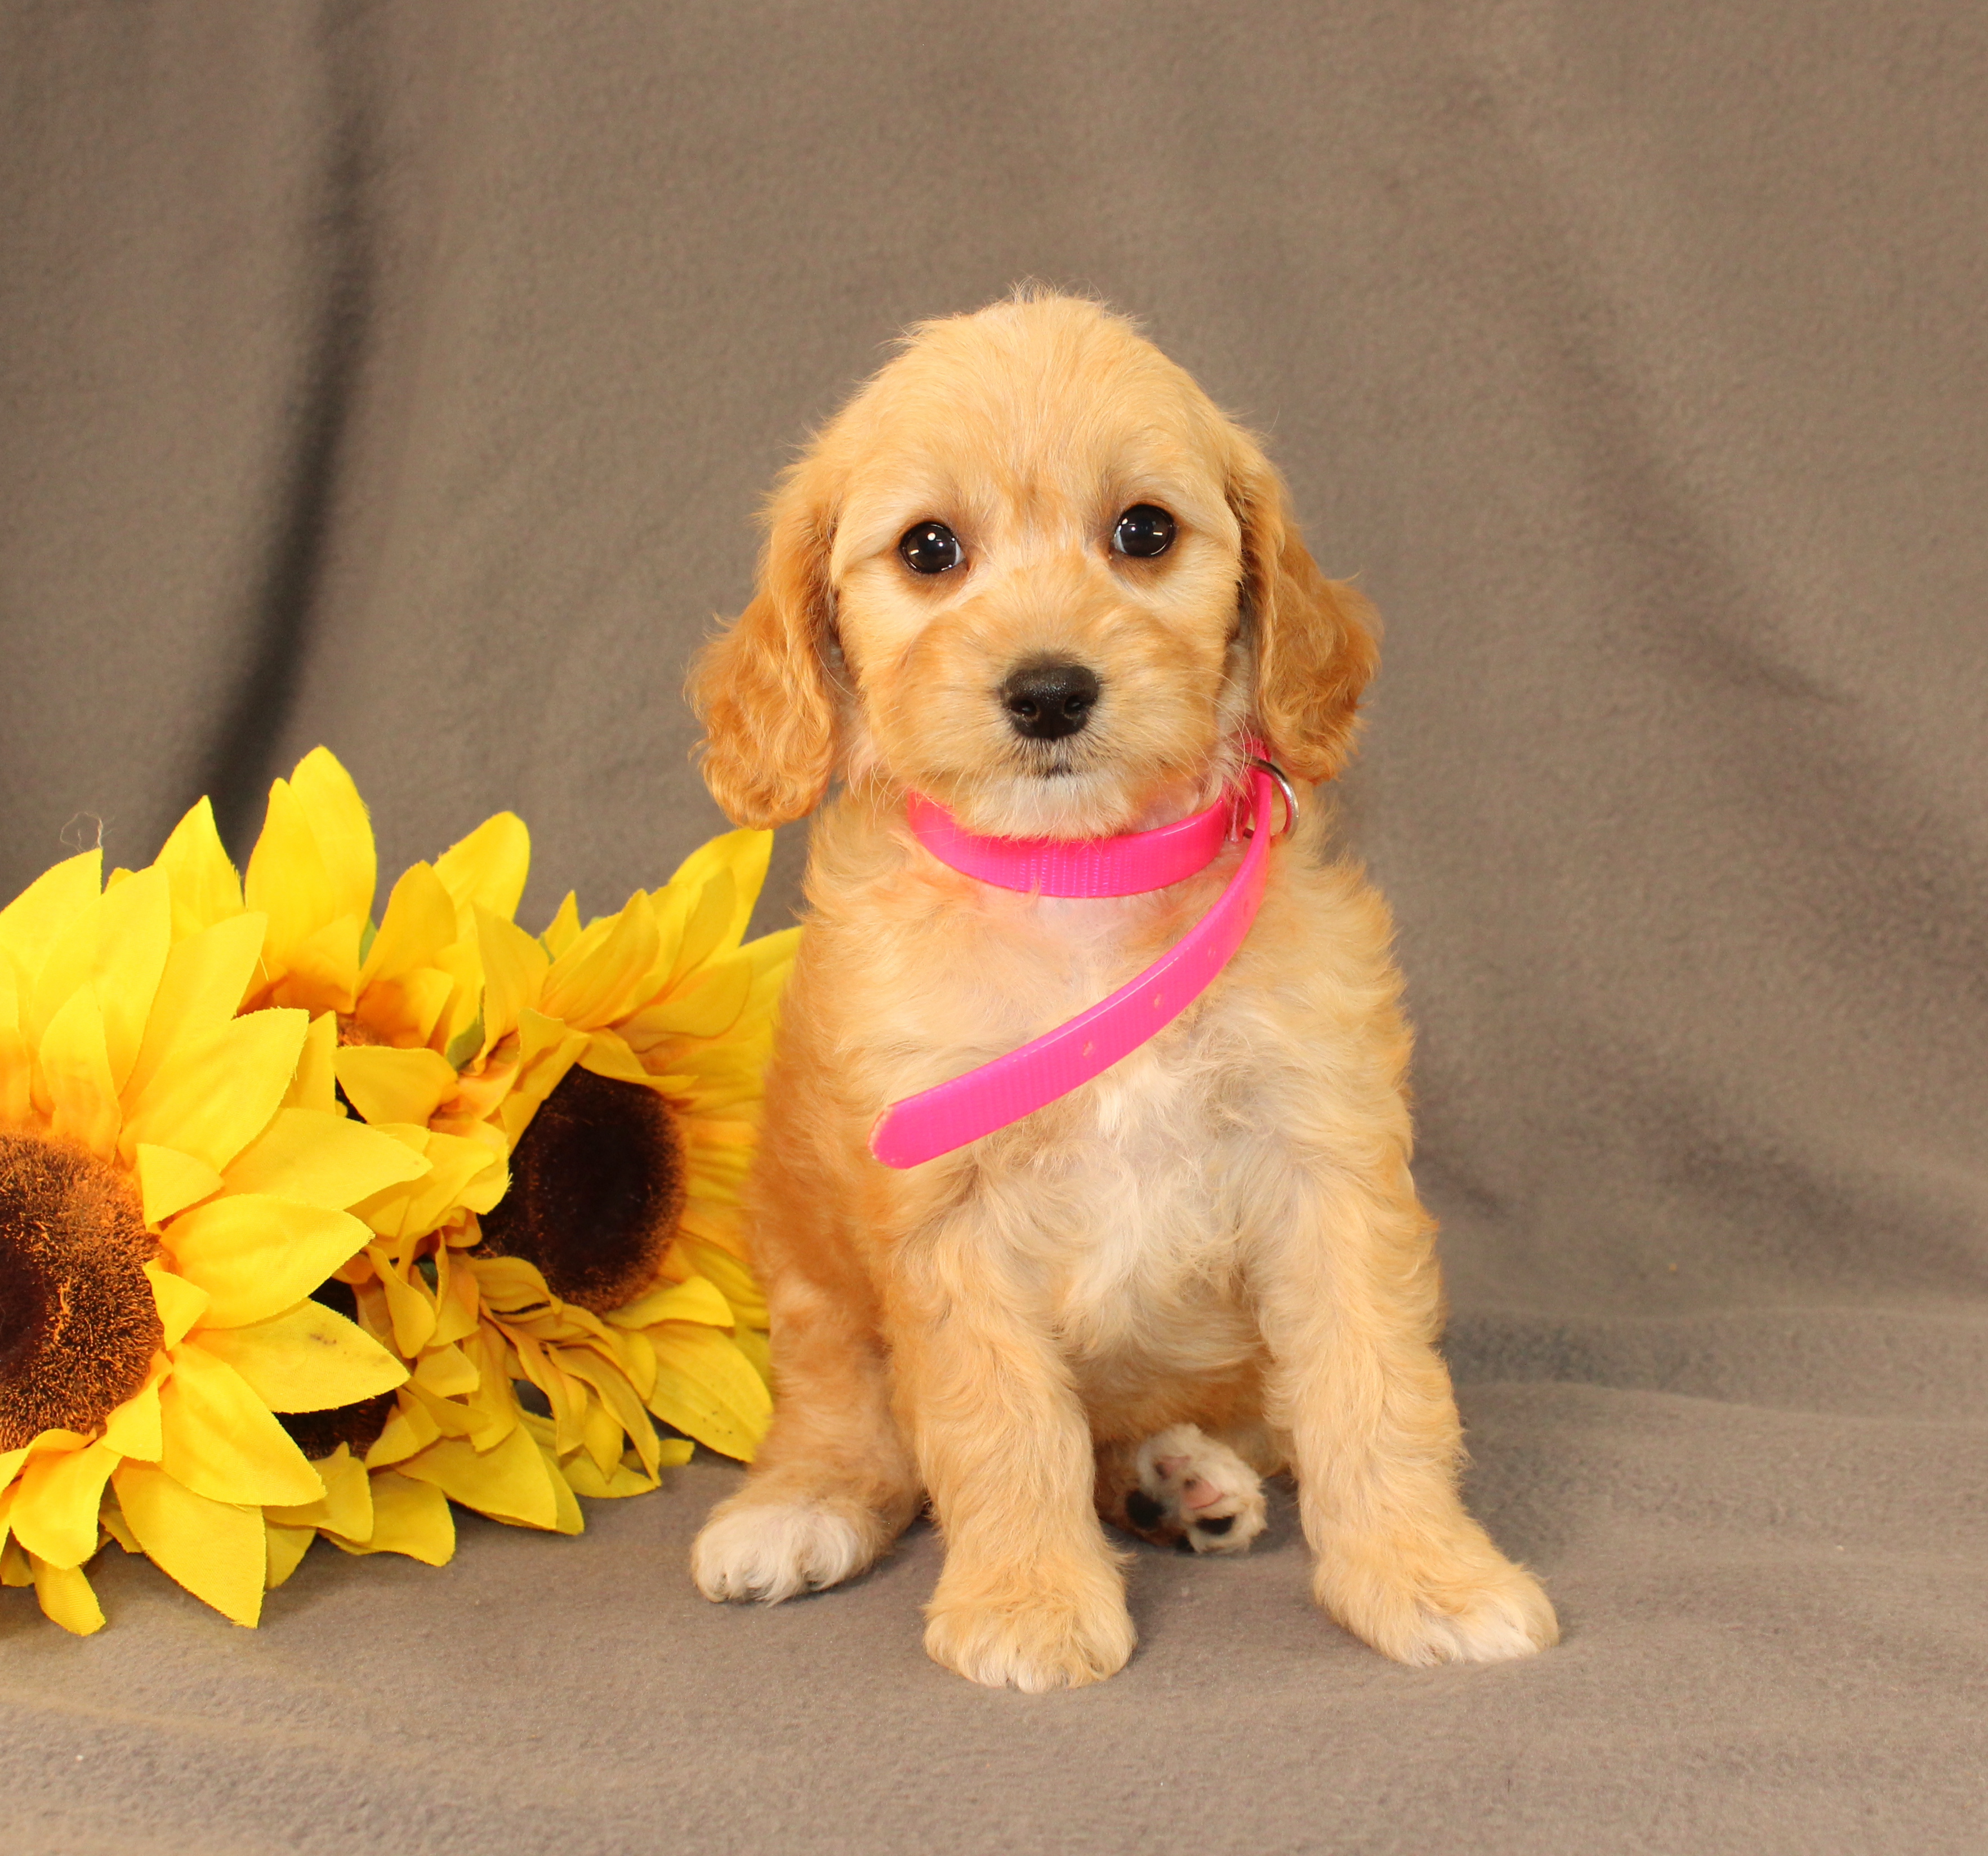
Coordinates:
<point>1128,865</point>
<point>994,1096</point>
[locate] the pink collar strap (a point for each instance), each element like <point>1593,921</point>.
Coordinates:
<point>1128,865</point>
<point>937,1121</point>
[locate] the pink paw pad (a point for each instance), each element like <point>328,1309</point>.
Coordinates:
<point>1196,1491</point>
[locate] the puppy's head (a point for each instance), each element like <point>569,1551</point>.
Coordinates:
<point>1031,571</point>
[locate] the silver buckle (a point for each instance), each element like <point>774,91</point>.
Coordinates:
<point>1283,786</point>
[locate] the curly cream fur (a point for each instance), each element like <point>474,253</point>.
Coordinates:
<point>1220,1232</point>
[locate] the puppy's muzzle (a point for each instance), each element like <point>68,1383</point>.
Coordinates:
<point>1047,701</point>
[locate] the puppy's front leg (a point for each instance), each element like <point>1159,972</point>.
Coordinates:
<point>1347,1295</point>
<point>1031,1596</point>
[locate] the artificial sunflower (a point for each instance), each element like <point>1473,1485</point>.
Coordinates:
<point>453,1429</point>
<point>171,1195</point>
<point>616,1068</point>
<point>644,1037</point>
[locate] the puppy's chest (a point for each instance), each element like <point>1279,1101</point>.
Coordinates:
<point>1139,1242</point>
<point>1016,966</point>
<point>1118,1195</point>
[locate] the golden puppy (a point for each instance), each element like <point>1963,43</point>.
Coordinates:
<point>1209,1263</point>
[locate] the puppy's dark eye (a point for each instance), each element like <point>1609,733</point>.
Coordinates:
<point>930,547</point>
<point>1144,530</point>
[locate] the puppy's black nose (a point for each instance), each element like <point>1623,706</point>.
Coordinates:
<point>1047,701</point>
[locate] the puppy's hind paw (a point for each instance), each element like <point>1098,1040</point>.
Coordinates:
<point>1195,1492</point>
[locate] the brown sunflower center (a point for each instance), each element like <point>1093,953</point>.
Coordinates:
<point>597,1188</point>
<point>78,1323</point>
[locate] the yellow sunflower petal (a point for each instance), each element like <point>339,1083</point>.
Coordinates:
<point>116,1526</point>
<point>419,921</point>
<point>603,1437</point>
<point>387,1085</point>
<point>731,1278</point>
<point>205,888</point>
<point>169,1182</point>
<point>134,935</point>
<point>181,1304</point>
<point>744,856</point>
<point>711,1214</point>
<point>618,1402</point>
<point>462,964</point>
<point>706,1387</point>
<point>708,1005</point>
<point>458,1311</point>
<point>511,1284</point>
<point>704,929</point>
<point>547,1050</point>
<point>10,1462</point>
<point>346,1507</point>
<point>206,978</point>
<point>137,1428</point>
<point>638,1361</point>
<point>323,1159</point>
<point>411,1308</point>
<point>773,955</point>
<point>222,1441</point>
<point>411,1429</point>
<point>66,1599</point>
<point>567,1518</point>
<point>255,1255</point>
<point>287,879</point>
<point>314,1085</point>
<point>563,930</point>
<point>452,1418</point>
<point>341,830</point>
<point>486,870</point>
<point>56,1501</point>
<point>695,1301</point>
<point>624,1479</point>
<point>409,1517</point>
<point>218,1551</point>
<point>75,1074</point>
<point>607,1055</point>
<point>509,1482</point>
<point>675,1452</point>
<point>569,1397</point>
<point>17,1072</point>
<point>319,971</point>
<point>603,975</point>
<point>755,1344</point>
<point>447,1372</point>
<point>570,1519</point>
<point>31,924</point>
<point>310,1358</point>
<point>286,1548</point>
<point>514,973</point>
<point>214,1094</point>
<point>464,1174</point>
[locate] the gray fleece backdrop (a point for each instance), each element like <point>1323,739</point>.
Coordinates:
<point>405,377</point>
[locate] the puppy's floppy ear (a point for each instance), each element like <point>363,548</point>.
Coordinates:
<point>761,688</point>
<point>1314,638</point>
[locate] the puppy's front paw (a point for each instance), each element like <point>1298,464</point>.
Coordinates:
<point>1422,1601</point>
<point>1029,1630</point>
<point>771,1550</point>
<point>1194,1489</point>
